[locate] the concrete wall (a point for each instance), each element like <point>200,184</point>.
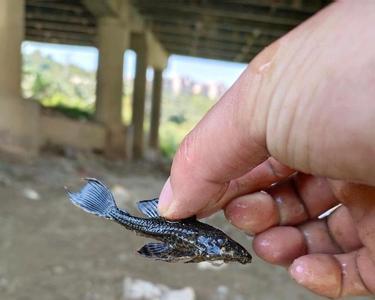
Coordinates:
<point>19,127</point>
<point>82,135</point>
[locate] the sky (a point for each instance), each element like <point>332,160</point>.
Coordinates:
<point>198,69</point>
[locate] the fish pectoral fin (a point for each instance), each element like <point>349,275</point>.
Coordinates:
<point>164,252</point>
<point>149,207</point>
<point>155,250</point>
<point>195,260</point>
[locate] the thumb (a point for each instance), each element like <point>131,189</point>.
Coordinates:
<point>296,101</point>
<point>224,145</point>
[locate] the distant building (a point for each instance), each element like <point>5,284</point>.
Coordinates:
<point>185,85</point>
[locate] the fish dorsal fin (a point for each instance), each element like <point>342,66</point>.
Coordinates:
<point>149,207</point>
<point>155,250</point>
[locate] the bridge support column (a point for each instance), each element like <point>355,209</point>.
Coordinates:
<point>112,41</point>
<point>19,120</point>
<point>139,44</point>
<point>155,109</point>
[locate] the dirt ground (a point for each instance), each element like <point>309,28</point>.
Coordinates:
<point>49,249</point>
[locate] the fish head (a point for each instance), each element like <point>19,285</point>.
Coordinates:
<point>223,248</point>
<point>232,251</point>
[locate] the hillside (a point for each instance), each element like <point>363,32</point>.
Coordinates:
<point>71,90</point>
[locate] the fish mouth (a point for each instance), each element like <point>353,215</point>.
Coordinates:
<point>244,259</point>
<point>240,259</point>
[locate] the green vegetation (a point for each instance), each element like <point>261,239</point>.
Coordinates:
<point>68,88</point>
<point>71,90</point>
<point>180,114</point>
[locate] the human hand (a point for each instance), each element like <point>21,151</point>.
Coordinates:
<point>305,105</point>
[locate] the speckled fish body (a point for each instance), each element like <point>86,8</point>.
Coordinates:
<point>186,240</point>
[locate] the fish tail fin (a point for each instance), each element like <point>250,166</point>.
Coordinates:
<point>94,198</point>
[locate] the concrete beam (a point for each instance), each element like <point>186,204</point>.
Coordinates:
<point>81,39</point>
<point>118,9</point>
<point>164,21</point>
<point>306,7</point>
<point>217,11</point>
<point>176,33</point>
<point>215,52</point>
<point>245,50</point>
<point>68,28</point>
<point>137,23</point>
<point>122,9</point>
<point>139,44</point>
<point>103,8</point>
<point>157,56</point>
<point>211,54</point>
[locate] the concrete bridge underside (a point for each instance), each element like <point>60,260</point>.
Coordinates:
<point>228,30</point>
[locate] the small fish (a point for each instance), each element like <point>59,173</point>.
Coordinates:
<point>186,240</point>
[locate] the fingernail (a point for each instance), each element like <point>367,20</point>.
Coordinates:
<point>165,198</point>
